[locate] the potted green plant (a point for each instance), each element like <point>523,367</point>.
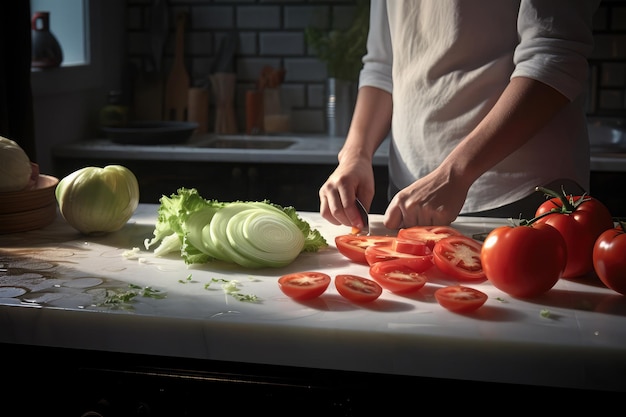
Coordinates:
<point>342,51</point>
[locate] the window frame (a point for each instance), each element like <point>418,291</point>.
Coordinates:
<point>76,77</point>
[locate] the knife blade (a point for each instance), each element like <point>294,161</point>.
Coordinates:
<point>364,217</point>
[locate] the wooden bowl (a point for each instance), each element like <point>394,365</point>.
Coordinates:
<point>29,209</point>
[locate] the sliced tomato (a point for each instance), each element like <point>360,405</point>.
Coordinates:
<point>304,285</point>
<point>427,234</point>
<point>357,289</point>
<point>397,277</point>
<point>353,246</point>
<point>460,299</point>
<point>459,258</point>
<point>413,247</point>
<point>417,262</point>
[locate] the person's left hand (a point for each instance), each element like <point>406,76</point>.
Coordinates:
<point>435,199</point>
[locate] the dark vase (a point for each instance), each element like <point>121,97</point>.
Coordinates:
<point>46,50</point>
<point>341,97</point>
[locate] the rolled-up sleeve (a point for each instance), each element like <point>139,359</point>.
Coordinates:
<point>377,62</point>
<point>555,41</point>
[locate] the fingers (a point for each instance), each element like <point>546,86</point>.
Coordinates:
<point>338,210</point>
<point>403,213</point>
<point>326,212</point>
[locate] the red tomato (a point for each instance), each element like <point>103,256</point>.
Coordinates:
<point>304,285</point>
<point>524,261</point>
<point>580,220</point>
<point>396,277</point>
<point>417,262</point>
<point>413,247</point>
<point>427,234</point>
<point>460,299</point>
<point>459,258</point>
<point>609,258</point>
<point>353,246</point>
<point>357,289</point>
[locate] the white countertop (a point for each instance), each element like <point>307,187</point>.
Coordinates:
<point>309,149</point>
<point>49,280</point>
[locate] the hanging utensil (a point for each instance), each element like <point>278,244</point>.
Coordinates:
<point>177,87</point>
<point>149,83</point>
<point>224,57</point>
<point>158,31</point>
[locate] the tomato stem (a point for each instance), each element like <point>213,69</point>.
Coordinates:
<point>568,204</point>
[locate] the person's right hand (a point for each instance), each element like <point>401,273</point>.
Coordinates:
<point>351,179</point>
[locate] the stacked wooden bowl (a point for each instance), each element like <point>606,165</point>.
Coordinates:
<point>29,209</point>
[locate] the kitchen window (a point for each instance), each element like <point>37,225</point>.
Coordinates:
<point>75,24</point>
<point>68,24</point>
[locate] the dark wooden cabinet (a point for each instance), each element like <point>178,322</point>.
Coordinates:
<point>286,184</point>
<point>608,187</point>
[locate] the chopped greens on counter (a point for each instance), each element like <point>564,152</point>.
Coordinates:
<point>252,234</point>
<point>232,288</point>
<point>128,296</point>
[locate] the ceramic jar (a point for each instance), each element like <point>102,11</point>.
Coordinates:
<point>46,50</point>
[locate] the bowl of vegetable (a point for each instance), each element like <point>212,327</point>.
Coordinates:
<point>31,208</point>
<point>27,200</point>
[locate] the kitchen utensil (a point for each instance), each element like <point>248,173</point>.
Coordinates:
<point>223,61</point>
<point>224,90</point>
<point>158,31</point>
<point>365,230</point>
<point>254,112</point>
<point>177,87</point>
<point>149,82</point>
<point>198,108</point>
<point>151,132</point>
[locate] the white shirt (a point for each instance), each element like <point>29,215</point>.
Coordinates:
<point>446,62</point>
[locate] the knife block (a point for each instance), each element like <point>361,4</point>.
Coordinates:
<point>224,91</point>
<point>198,109</point>
<point>254,112</point>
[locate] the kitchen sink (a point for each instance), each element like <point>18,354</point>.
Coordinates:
<point>607,137</point>
<point>246,142</point>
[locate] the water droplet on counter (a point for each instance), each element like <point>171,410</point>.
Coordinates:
<point>224,313</point>
<point>42,298</point>
<point>83,282</point>
<point>11,292</point>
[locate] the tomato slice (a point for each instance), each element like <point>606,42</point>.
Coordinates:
<point>460,299</point>
<point>397,277</point>
<point>357,289</point>
<point>413,247</point>
<point>459,258</point>
<point>418,262</point>
<point>304,285</point>
<point>428,234</point>
<point>353,246</point>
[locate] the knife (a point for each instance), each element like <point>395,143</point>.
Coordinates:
<point>364,216</point>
